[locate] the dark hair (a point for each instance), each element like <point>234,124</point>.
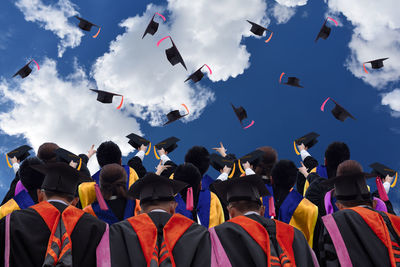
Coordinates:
<point>107,153</point>
<point>189,174</point>
<point>336,153</point>
<point>284,174</point>
<point>31,178</point>
<point>51,194</point>
<point>264,166</point>
<point>348,167</point>
<point>46,152</point>
<point>113,180</point>
<point>355,203</point>
<point>199,157</point>
<point>244,206</point>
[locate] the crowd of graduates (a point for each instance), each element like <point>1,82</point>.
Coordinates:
<point>260,211</point>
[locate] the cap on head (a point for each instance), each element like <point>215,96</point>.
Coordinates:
<point>248,188</point>
<point>188,173</point>
<point>59,177</point>
<point>153,187</point>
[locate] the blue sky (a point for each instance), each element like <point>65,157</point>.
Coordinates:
<point>328,68</point>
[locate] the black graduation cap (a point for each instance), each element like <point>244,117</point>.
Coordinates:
<point>240,112</point>
<point>85,25</point>
<point>309,140</point>
<point>293,81</point>
<point>104,97</point>
<point>60,177</point>
<point>218,162</point>
<point>174,116</point>
<point>381,170</point>
<point>65,156</point>
<point>136,141</point>
<point>152,27</point>
<point>350,186</point>
<point>253,157</point>
<point>324,32</point>
<point>249,188</point>
<point>20,153</point>
<point>340,113</point>
<point>173,55</point>
<point>153,187</point>
<point>24,71</point>
<point>197,75</point>
<point>257,29</point>
<point>377,63</point>
<point>168,144</point>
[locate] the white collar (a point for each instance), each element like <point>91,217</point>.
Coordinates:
<point>251,212</point>
<point>158,210</point>
<point>58,201</point>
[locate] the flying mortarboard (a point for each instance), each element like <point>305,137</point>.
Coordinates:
<point>253,158</point>
<point>198,74</point>
<point>350,186</point>
<point>87,26</point>
<point>248,188</point>
<point>65,156</point>
<point>174,116</point>
<point>60,177</point>
<point>338,111</point>
<point>259,30</point>
<point>240,112</point>
<point>381,170</point>
<point>293,81</point>
<point>309,140</point>
<point>152,27</point>
<point>20,153</point>
<point>324,32</point>
<point>168,145</point>
<point>153,187</point>
<point>136,141</point>
<point>107,97</point>
<point>375,64</point>
<point>172,53</point>
<point>218,162</point>
<point>26,70</point>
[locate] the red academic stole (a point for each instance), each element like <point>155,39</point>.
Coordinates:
<point>284,236</point>
<point>147,235</point>
<point>375,221</point>
<point>61,225</point>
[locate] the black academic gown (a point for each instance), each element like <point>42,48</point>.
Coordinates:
<point>243,250</point>
<point>11,190</point>
<point>192,249</point>
<point>29,236</point>
<point>137,164</point>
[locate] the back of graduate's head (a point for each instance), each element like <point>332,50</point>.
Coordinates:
<point>189,174</point>
<point>336,153</point>
<point>46,152</point>
<point>107,153</point>
<point>241,207</point>
<point>113,179</point>
<point>350,168</point>
<point>166,205</point>
<point>30,178</point>
<point>264,166</point>
<point>284,174</point>
<point>199,157</point>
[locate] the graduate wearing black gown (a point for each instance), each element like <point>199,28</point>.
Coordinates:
<point>249,239</point>
<point>158,237</point>
<point>31,229</point>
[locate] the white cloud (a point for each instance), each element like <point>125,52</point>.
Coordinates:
<point>204,31</point>
<point>53,17</point>
<point>376,34</point>
<point>392,99</point>
<point>282,13</point>
<point>292,3</point>
<point>47,107</point>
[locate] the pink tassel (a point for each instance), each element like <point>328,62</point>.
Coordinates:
<point>271,205</point>
<point>100,199</point>
<point>381,189</point>
<point>189,199</point>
